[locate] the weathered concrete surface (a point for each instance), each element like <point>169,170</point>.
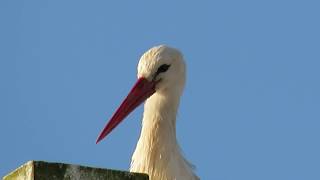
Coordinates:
<point>40,170</point>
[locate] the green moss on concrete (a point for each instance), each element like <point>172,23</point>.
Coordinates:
<point>38,170</point>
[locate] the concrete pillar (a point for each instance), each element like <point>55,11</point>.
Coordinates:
<point>40,170</point>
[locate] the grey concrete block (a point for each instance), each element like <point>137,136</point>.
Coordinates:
<point>40,170</point>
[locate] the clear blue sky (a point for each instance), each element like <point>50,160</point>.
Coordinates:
<point>251,107</point>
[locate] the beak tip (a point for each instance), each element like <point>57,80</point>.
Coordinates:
<point>99,139</point>
<point>102,135</point>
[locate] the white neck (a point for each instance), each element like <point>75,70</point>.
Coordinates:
<point>157,152</point>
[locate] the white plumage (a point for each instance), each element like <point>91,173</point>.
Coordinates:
<point>161,79</point>
<point>157,152</point>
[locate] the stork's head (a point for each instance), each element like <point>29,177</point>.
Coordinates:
<point>160,70</point>
<point>165,67</point>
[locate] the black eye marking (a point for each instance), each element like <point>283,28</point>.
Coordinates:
<point>162,68</point>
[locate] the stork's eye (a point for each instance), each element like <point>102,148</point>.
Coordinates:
<point>163,68</point>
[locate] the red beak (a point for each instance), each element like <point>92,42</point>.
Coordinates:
<point>138,94</point>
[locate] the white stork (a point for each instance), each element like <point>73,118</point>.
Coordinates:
<point>161,79</point>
